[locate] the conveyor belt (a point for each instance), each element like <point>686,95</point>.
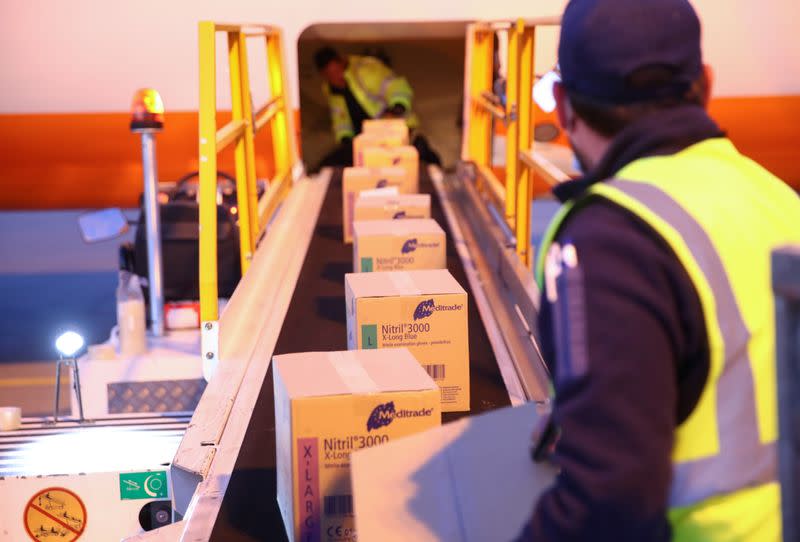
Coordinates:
<point>315,321</point>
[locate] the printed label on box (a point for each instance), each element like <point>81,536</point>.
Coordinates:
<point>369,336</point>
<point>308,488</point>
<point>366,265</point>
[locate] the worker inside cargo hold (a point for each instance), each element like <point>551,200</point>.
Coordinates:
<point>360,88</point>
<point>657,313</point>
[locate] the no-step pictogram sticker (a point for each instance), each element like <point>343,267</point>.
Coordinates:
<point>55,514</point>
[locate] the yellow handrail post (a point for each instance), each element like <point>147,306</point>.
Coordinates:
<point>240,149</point>
<point>208,175</point>
<point>250,193</point>
<point>280,124</point>
<point>512,123</point>
<point>481,81</point>
<point>524,183</point>
<point>528,142</point>
<point>209,300</point>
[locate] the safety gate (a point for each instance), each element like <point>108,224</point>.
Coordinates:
<point>254,214</point>
<point>511,199</point>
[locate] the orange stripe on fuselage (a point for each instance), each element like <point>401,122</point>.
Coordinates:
<point>57,161</point>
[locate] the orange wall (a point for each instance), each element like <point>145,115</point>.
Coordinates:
<point>765,129</point>
<point>51,161</point>
<point>60,161</point>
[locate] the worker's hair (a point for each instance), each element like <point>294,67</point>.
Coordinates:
<point>608,120</point>
<point>325,56</point>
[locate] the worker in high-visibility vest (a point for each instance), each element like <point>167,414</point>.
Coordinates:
<point>657,316</point>
<point>359,88</point>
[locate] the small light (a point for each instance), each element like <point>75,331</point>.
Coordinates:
<point>543,93</point>
<point>234,210</point>
<point>69,343</point>
<point>147,110</point>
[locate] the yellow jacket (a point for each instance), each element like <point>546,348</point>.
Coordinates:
<point>375,87</point>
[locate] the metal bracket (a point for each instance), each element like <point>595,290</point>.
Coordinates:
<point>209,342</point>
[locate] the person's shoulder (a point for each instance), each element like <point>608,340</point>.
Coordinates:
<point>610,231</point>
<point>596,219</point>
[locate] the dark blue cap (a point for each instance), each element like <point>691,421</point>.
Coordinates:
<point>604,42</point>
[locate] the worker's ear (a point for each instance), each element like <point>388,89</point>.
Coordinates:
<point>708,73</point>
<point>566,115</point>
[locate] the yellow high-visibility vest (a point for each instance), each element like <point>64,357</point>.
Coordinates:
<point>375,87</point>
<point>722,214</point>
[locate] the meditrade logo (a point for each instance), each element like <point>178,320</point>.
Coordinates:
<point>413,244</point>
<point>409,246</point>
<point>427,308</point>
<point>424,310</point>
<point>399,214</point>
<point>383,183</point>
<point>384,414</point>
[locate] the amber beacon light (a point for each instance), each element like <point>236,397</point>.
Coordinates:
<point>147,110</point>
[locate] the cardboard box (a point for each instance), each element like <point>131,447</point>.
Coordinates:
<point>468,481</point>
<point>405,157</point>
<point>425,311</point>
<point>356,179</point>
<point>371,126</point>
<point>398,245</point>
<point>383,139</point>
<point>392,207</point>
<point>327,405</point>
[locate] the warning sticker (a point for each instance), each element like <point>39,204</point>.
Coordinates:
<point>143,485</point>
<point>55,513</point>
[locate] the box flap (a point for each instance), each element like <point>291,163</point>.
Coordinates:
<point>404,151</point>
<point>351,372</point>
<point>395,283</point>
<point>412,200</point>
<point>382,125</point>
<point>398,228</point>
<point>373,173</point>
<point>453,483</point>
<point>380,193</point>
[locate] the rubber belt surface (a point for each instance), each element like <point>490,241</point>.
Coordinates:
<point>315,321</point>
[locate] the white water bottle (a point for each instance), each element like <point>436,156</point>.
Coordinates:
<point>131,322</point>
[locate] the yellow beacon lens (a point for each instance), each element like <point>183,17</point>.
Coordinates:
<point>147,110</point>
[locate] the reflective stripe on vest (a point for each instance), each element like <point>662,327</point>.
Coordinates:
<point>742,461</point>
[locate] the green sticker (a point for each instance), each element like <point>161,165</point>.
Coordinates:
<point>143,485</point>
<point>366,265</point>
<point>369,336</point>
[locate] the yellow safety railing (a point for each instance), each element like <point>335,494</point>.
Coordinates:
<point>482,106</point>
<point>239,132</point>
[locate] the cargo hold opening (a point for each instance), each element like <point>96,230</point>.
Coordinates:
<point>429,55</point>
